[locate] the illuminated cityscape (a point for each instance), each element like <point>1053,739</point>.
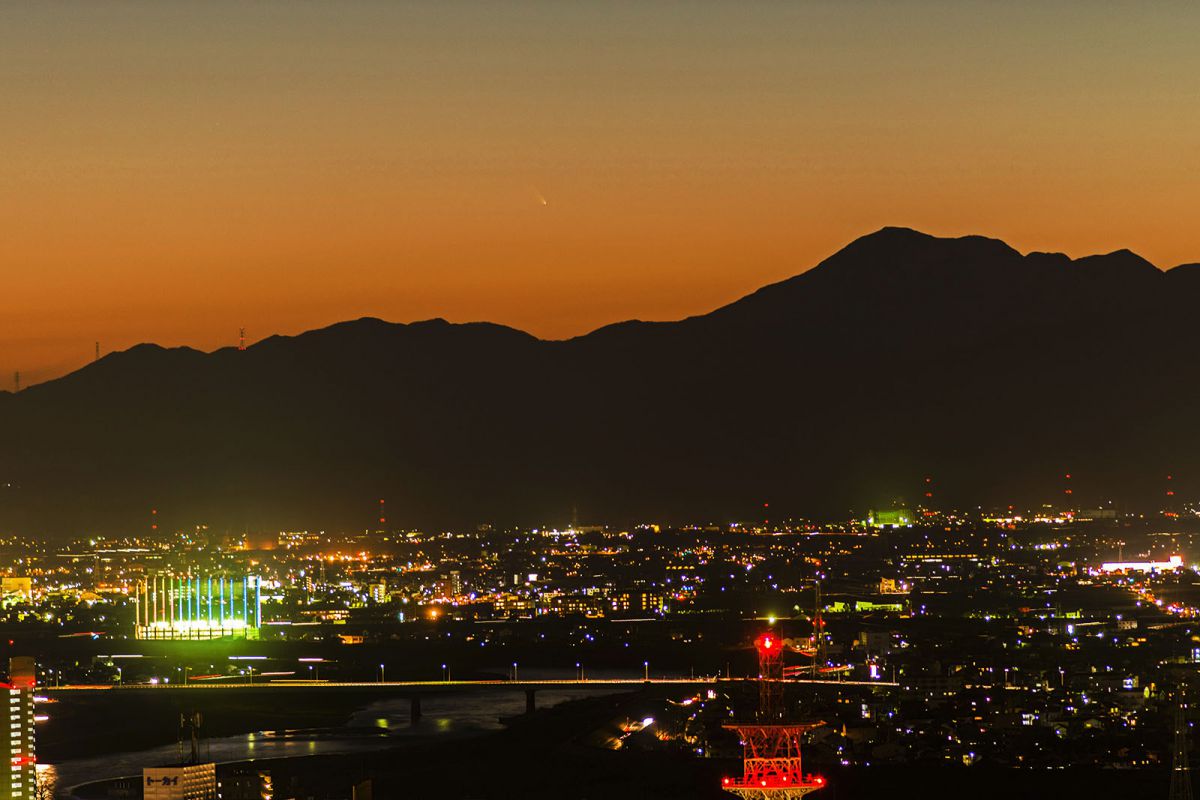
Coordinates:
<point>543,400</point>
<point>963,639</point>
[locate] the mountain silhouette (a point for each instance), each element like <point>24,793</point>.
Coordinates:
<point>901,356</point>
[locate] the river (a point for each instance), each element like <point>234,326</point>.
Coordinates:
<point>380,725</point>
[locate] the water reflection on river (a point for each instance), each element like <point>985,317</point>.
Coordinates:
<point>380,725</point>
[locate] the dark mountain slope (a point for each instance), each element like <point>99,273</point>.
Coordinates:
<point>901,355</point>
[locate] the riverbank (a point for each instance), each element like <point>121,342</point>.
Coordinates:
<point>85,726</point>
<point>382,724</point>
<point>543,750</point>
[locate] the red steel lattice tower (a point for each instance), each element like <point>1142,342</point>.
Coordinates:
<point>770,677</point>
<point>771,766</point>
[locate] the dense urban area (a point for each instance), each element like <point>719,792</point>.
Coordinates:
<point>1038,640</point>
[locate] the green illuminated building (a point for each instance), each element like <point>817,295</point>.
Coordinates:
<point>190,607</point>
<point>890,518</point>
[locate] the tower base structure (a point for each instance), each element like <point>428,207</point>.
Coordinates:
<point>771,767</point>
<point>773,792</point>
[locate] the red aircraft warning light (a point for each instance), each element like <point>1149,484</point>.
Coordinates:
<point>770,677</point>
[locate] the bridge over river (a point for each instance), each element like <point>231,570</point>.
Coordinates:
<point>415,690</point>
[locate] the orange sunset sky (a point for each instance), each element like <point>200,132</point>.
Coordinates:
<point>170,172</point>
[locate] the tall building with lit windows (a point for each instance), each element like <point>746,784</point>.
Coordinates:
<point>19,748</point>
<point>180,782</point>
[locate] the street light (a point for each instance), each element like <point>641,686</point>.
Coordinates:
<point>646,667</point>
<point>120,677</point>
<point>579,670</point>
<point>445,673</point>
<point>514,672</point>
<point>382,674</point>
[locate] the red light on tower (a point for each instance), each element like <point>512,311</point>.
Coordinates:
<point>926,507</point>
<point>382,515</point>
<point>154,519</point>
<point>770,676</point>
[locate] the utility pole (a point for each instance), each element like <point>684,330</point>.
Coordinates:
<point>820,623</point>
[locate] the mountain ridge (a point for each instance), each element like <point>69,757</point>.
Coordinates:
<point>900,355</point>
<point>891,233</point>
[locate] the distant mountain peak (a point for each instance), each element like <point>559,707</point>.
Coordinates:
<point>896,241</point>
<point>907,268</point>
<point>1119,264</point>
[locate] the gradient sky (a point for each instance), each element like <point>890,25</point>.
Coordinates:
<point>172,171</point>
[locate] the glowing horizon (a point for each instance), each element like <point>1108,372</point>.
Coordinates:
<point>176,172</point>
